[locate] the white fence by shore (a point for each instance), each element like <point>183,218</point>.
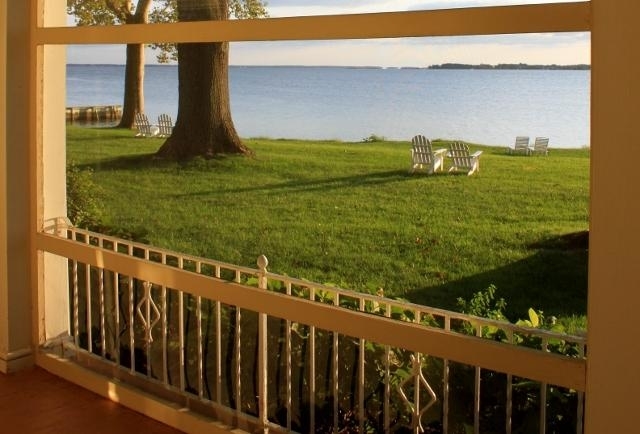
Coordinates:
<point>94,114</point>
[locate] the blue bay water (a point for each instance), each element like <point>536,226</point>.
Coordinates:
<point>481,106</point>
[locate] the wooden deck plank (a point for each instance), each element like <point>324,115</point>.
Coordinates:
<point>34,401</point>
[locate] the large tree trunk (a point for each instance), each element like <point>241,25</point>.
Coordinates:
<point>134,70</point>
<point>204,126</point>
<point>133,85</point>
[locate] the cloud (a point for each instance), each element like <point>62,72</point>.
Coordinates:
<point>419,52</point>
<point>96,54</point>
<point>287,8</point>
<point>548,40</point>
<point>453,4</point>
<point>560,48</point>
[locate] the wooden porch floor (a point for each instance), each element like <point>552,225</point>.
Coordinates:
<point>34,401</point>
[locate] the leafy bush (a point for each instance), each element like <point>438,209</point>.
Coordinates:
<point>561,403</point>
<point>82,205</point>
<point>484,304</point>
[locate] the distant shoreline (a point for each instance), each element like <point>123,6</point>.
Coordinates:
<point>510,66</point>
<point>483,66</point>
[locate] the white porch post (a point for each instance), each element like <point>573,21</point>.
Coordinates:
<point>4,287</point>
<point>613,351</point>
<point>54,293</point>
<point>15,293</point>
<point>24,201</point>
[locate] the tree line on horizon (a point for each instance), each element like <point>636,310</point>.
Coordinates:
<point>580,66</point>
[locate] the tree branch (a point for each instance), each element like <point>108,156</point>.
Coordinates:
<point>119,8</point>
<point>142,11</point>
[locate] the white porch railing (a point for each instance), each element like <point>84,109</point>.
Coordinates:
<point>264,351</point>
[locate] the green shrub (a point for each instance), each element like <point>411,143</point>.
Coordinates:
<point>560,403</point>
<point>484,304</point>
<point>82,205</point>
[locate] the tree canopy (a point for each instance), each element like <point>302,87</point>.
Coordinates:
<point>167,12</point>
<point>111,12</point>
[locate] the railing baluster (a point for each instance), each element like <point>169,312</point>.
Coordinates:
<point>238,347</point>
<point>238,373</point>
<point>416,395</point>
<point>543,395</point>
<point>262,350</point>
<point>361,378</point>
<point>181,342</point>
<point>580,409</point>
<point>181,331</point>
<point>218,352</point>
<point>165,348</point>
<point>103,337</point>
<point>200,339</point>
<point>147,322</point>
<point>89,317</point>
<point>387,379</point>
<point>543,408</point>
<point>312,369</point>
<point>336,374</point>
<point>445,384</point>
<point>165,328</point>
<point>116,304</point>
<point>148,339</point>
<point>200,349</point>
<point>218,345</point>
<point>289,368</point>
<point>476,395</point>
<point>509,403</point>
<point>417,363</point>
<point>132,357</point>
<point>76,306</point>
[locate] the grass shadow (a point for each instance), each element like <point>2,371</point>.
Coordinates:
<point>324,184</point>
<point>553,279</point>
<point>150,161</point>
<point>125,162</point>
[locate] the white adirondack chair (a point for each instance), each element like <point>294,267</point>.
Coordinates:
<point>424,157</point>
<point>145,129</point>
<point>521,146</point>
<point>462,160</point>
<point>540,146</point>
<point>165,125</point>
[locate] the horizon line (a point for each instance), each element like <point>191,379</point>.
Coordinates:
<point>472,65</point>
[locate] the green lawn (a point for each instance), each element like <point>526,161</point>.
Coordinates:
<point>351,215</point>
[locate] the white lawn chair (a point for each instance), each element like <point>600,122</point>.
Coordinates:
<point>521,146</point>
<point>145,129</point>
<point>540,146</point>
<point>462,160</point>
<point>165,125</point>
<point>424,157</point>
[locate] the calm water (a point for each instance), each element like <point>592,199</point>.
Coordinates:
<point>489,107</point>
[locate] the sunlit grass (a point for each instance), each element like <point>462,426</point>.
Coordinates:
<point>351,215</point>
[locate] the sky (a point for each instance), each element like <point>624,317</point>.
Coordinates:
<point>556,48</point>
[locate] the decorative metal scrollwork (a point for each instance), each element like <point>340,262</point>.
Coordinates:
<point>419,382</point>
<point>150,309</point>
